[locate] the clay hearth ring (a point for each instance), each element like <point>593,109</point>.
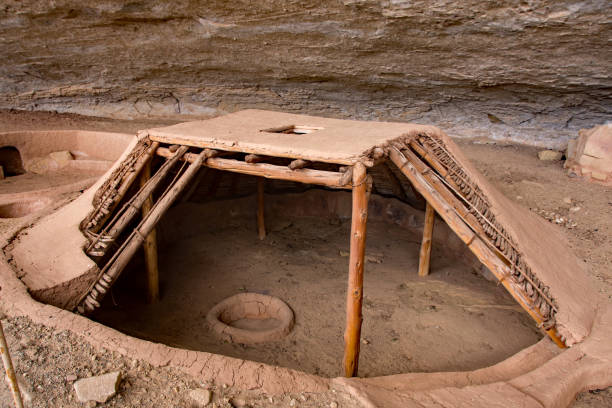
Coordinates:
<point>224,318</point>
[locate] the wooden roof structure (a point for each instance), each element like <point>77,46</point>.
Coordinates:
<point>280,134</point>
<point>527,255</point>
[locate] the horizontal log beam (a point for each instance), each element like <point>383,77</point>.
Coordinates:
<point>306,176</point>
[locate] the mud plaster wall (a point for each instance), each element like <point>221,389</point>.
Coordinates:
<point>531,71</point>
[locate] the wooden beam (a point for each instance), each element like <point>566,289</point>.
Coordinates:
<point>261,226</point>
<point>125,183</point>
<point>308,176</point>
<point>298,164</point>
<point>150,242</point>
<point>253,158</point>
<point>111,271</point>
<point>354,295</point>
<point>478,247</point>
<point>241,148</point>
<point>425,256</point>
<point>194,186</point>
<point>347,175</point>
<point>11,378</point>
<point>133,207</point>
<point>443,190</point>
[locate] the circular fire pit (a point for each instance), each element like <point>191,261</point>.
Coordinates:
<point>251,318</point>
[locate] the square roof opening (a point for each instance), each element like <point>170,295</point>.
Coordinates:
<point>293,129</point>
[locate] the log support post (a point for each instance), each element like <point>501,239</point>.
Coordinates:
<point>354,296</point>
<point>150,243</point>
<point>261,225</point>
<point>11,379</point>
<point>425,256</point>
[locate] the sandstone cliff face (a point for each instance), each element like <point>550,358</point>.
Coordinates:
<point>527,70</point>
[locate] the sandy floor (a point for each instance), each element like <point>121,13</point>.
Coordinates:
<point>451,320</point>
<point>515,170</point>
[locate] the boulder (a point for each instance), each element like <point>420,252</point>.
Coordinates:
<point>590,155</point>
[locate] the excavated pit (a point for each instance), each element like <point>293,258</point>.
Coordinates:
<point>452,320</point>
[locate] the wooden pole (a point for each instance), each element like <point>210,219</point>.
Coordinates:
<point>298,164</point>
<point>307,176</point>
<point>261,226</point>
<point>10,371</point>
<point>115,266</point>
<point>354,296</point>
<point>490,259</point>
<point>425,255</point>
<point>150,243</point>
<point>124,181</point>
<point>135,206</point>
<point>253,158</point>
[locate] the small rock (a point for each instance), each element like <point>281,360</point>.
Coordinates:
<point>99,388</point>
<point>374,259</point>
<point>200,397</point>
<point>344,253</point>
<point>365,341</point>
<point>550,155</point>
<point>26,342</point>
<point>71,378</point>
<point>575,209</point>
<point>238,402</point>
<point>567,200</point>
<point>333,404</point>
<point>292,403</point>
<point>62,158</point>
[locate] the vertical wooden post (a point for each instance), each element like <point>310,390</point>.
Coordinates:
<point>150,244</point>
<point>10,371</point>
<point>425,255</point>
<point>261,225</point>
<point>354,295</point>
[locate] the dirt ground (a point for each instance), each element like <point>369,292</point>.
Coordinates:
<point>584,210</point>
<point>452,320</point>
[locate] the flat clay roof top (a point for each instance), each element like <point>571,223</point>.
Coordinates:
<point>257,131</point>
